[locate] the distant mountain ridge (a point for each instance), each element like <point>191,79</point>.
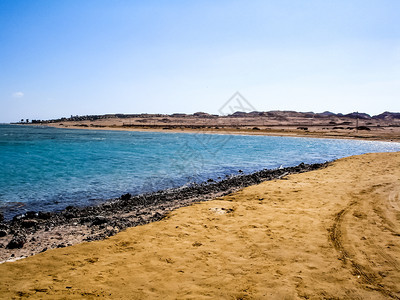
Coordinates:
<point>288,113</point>
<point>274,114</point>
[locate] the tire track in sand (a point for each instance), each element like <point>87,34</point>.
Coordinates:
<point>367,275</point>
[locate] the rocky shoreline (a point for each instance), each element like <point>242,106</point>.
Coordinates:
<point>36,232</point>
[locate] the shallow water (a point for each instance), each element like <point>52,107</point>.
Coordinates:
<point>46,168</point>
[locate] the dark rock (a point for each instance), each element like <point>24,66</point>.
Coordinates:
<point>99,220</point>
<point>31,214</point>
<point>17,218</point>
<point>3,233</point>
<point>17,242</point>
<point>44,215</point>
<point>70,215</point>
<point>363,128</point>
<point>86,220</point>
<point>72,212</point>
<point>157,216</point>
<point>126,196</point>
<point>110,232</point>
<point>1,217</point>
<point>28,223</point>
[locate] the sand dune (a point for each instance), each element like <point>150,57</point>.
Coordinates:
<point>332,233</point>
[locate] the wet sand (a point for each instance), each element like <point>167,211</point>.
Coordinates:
<point>330,233</point>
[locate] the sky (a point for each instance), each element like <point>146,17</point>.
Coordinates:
<point>62,58</point>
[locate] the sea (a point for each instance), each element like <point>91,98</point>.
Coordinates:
<point>47,169</point>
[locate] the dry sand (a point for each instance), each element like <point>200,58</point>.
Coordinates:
<point>332,233</point>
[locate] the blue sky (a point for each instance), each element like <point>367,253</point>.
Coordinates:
<point>62,58</point>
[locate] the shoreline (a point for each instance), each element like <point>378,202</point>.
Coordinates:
<point>36,232</point>
<point>292,132</point>
<point>329,233</point>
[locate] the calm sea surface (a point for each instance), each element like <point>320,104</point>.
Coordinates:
<point>49,169</point>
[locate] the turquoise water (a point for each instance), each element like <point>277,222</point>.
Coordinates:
<point>48,169</point>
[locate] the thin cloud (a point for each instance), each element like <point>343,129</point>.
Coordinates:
<point>18,95</point>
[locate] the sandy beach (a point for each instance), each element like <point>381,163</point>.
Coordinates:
<point>331,233</point>
<point>200,150</point>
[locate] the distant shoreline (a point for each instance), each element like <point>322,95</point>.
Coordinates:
<point>382,127</point>
<point>284,132</point>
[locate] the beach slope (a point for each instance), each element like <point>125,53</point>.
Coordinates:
<point>331,233</point>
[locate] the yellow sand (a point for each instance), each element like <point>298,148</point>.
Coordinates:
<point>331,233</point>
